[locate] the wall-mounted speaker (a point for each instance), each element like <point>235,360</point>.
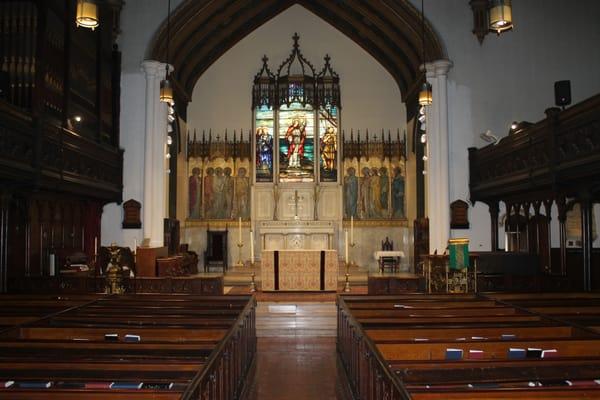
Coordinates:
<point>562,93</point>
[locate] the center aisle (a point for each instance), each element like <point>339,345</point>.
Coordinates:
<point>296,357</point>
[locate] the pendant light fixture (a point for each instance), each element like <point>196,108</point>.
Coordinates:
<point>501,16</point>
<point>166,90</point>
<point>425,96</point>
<point>86,14</point>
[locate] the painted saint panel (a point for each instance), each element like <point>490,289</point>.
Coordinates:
<point>264,144</point>
<point>328,144</point>
<point>370,193</point>
<point>296,143</point>
<point>215,194</point>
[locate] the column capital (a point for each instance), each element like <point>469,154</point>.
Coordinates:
<point>153,67</point>
<point>437,68</point>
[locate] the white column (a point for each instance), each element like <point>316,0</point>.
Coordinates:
<point>154,155</point>
<point>438,187</point>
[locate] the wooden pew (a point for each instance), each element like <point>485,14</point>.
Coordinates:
<point>200,344</point>
<point>410,336</point>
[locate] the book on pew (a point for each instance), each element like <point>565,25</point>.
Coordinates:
<point>126,385</point>
<point>70,385</point>
<point>6,384</point>
<point>515,353</point>
<point>132,338</point>
<point>508,336</point>
<point>179,386</point>
<point>417,339</point>
<point>475,354</point>
<point>582,383</point>
<point>111,337</point>
<point>533,352</point>
<point>157,385</point>
<point>402,306</point>
<point>34,384</point>
<point>483,385</point>
<point>478,338</point>
<point>549,353</point>
<point>96,385</point>
<point>553,382</point>
<point>454,354</point>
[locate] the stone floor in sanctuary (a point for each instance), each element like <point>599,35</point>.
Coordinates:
<point>296,358</point>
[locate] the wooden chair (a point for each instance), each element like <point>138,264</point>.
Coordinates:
<point>391,262</point>
<point>216,250</point>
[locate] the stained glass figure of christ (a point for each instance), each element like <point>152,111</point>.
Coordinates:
<point>296,143</point>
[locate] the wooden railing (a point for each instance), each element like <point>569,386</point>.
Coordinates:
<point>225,372</point>
<point>558,152</point>
<point>369,378</point>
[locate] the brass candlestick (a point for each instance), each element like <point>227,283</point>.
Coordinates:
<point>252,284</point>
<point>348,264</point>
<point>239,262</point>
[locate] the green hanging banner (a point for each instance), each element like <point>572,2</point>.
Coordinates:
<point>458,250</point>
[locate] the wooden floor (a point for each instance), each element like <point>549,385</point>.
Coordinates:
<point>296,357</point>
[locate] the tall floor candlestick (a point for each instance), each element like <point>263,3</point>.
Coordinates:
<point>346,246</point>
<point>251,247</point>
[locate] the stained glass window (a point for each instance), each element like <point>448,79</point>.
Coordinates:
<point>264,143</point>
<point>328,143</point>
<point>296,143</point>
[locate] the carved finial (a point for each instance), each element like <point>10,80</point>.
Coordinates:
<point>296,38</point>
<point>265,59</point>
<point>327,58</point>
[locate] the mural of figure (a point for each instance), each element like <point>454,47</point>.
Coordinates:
<point>329,149</point>
<point>195,192</point>
<point>365,194</point>
<point>385,189</point>
<point>217,209</point>
<point>208,193</point>
<point>264,151</point>
<point>398,194</point>
<point>227,193</point>
<point>242,195</point>
<point>375,194</point>
<point>295,136</point>
<point>351,193</point>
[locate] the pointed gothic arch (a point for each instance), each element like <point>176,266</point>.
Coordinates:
<point>389,30</point>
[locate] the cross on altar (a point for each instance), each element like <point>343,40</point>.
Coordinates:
<point>295,203</point>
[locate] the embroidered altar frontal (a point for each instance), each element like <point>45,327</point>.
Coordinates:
<point>299,270</point>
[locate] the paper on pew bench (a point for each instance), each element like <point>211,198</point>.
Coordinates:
<point>6,384</point>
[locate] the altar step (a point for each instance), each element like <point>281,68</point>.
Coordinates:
<point>242,275</point>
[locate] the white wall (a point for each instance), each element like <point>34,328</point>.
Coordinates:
<point>510,77</point>
<point>222,97</point>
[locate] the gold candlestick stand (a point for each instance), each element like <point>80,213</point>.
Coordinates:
<point>253,283</point>
<point>348,265</point>
<point>239,261</point>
